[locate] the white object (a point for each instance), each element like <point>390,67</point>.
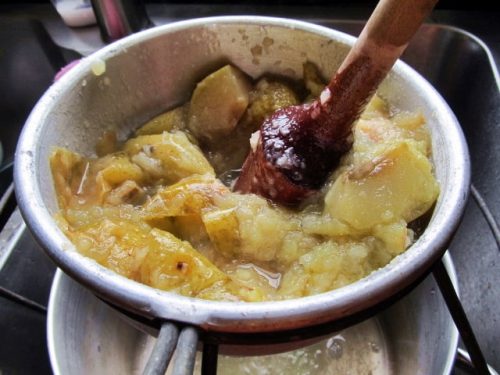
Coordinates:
<point>75,13</point>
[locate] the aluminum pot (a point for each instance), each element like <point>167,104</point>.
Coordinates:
<point>151,71</point>
<point>414,336</point>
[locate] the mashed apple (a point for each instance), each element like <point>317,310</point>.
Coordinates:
<point>159,209</point>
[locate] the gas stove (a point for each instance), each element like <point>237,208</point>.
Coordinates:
<point>462,66</point>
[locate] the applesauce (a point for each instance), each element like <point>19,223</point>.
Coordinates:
<point>158,208</point>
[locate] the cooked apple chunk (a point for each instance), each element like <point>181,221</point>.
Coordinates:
<point>217,104</point>
<point>397,184</point>
<point>168,156</point>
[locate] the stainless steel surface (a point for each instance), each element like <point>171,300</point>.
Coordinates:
<point>157,68</point>
<point>464,362</point>
<point>415,336</point>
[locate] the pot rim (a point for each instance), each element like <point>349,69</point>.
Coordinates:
<point>239,316</point>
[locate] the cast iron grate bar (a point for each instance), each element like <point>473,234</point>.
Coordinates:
<point>459,317</point>
<point>17,298</point>
<point>464,362</point>
<point>209,359</point>
<point>8,201</point>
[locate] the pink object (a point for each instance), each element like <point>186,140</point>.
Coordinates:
<point>65,69</point>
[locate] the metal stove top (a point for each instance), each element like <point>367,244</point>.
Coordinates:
<point>34,44</point>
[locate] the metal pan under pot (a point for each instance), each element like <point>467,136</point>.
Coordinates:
<point>414,336</point>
